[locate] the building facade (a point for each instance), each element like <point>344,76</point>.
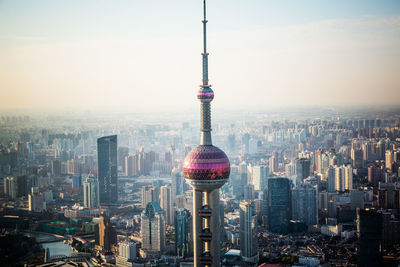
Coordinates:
<point>279,205</point>
<point>153,230</point>
<point>167,204</point>
<point>91,194</point>
<point>107,169</point>
<point>183,233</point>
<point>248,232</point>
<point>305,204</point>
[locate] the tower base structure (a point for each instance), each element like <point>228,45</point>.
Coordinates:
<point>206,228</point>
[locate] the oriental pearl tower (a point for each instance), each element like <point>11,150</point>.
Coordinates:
<point>206,168</point>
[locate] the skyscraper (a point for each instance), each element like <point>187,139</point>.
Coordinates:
<point>260,176</point>
<point>357,158</point>
<point>279,205</point>
<point>369,231</point>
<point>343,178</point>
<point>131,165</point>
<point>248,232</point>
<point>153,230</point>
<point>107,169</point>
<point>150,194</point>
<point>206,168</point>
<point>178,183</point>
<point>166,204</point>
<point>304,204</point>
<point>76,181</point>
<point>183,233</point>
<point>303,170</point>
<point>22,186</point>
<point>388,159</point>
<point>107,234</point>
<point>248,192</point>
<point>10,187</point>
<point>331,179</point>
<point>56,168</point>
<point>91,197</point>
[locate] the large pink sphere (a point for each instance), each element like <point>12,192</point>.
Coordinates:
<point>206,163</point>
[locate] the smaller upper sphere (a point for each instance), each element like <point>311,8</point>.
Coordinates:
<point>205,93</point>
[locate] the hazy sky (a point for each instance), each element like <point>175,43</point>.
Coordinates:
<point>146,54</point>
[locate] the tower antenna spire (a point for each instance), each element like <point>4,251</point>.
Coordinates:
<point>205,54</point>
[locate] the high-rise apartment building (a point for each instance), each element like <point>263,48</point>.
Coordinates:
<point>56,168</point>
<point>91,194</point>
<point>279,205</point>
<point>126,255</point>
<point>331,179</point>
<point>273,163</point>
<point>131,165</point>
<point>260,176</point>
<point>206,168</point>
<point>248,232</point>
<point>127,249</point>
<point>166,204</point>
<point>303,169</point>
<point>153,230</point>
<point>357,158</point>
<point>10,187</point>
<point>343,178</point>
<point>36,202</point>
<point>318,160</point>
<point>123,152</point>
<point>348,177</point>
<point>388,159</point>
<point>150,194</point>
<point>107,169</point>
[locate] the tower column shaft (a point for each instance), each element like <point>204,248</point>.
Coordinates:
<point>197,246</point>
<point>214,227</point>
<point>205,124</point>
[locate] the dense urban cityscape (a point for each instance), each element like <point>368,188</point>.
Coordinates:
<point>299,185</point>
<point>306,188</point>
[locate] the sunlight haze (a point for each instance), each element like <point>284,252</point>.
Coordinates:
<point>146,54</point>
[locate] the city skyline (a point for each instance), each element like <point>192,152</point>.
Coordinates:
<point>340,54</point>
<point>104,159</point>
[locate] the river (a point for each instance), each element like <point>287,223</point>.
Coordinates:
<point>58,248</point>
<point>55,248</point>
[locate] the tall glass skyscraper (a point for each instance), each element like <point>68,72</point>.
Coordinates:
<point>303,169</point>
<point>248,232</point>
<point>260,176</point>
<point>91,193</point>
<point>183,233</point>
<point>279,205</point>
<point>305,204</point>
<point>107,169</point>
